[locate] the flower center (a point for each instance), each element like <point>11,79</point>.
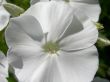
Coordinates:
<point>51,47</point>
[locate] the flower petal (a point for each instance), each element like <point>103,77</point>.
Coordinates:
<point>48,72</point>
<point>62,17</point>
<point>3,65</point>
<point>83,39</point>
<point>79,66</point>
<point>68,67</point>
<point>86,1</point>
<point>74,27</point>
<point>31,59</point>
<point>2,79</point>
<point>91,10</point>
<point>4,18</point>
<point>51,14</point>
<point>23,30</point>
<point>3,1</point>
<point>35,1</point>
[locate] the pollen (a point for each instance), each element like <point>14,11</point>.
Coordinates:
<point>51,47</point>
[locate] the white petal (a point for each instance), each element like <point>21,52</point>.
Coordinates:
<point>86,1</point>
<point>2,79</point>
<point>25,59</point>
<point>35,1</point>
<point>56,0</point>
<point>74,27</point>
<point>91,10</point>
<point>4,18</point>
<point>47,72</point>
<point>83,39</point>
<point>3,65</point>
<point>23,30</point>
<point>79,66</point>
<point>51,14</point>
<point>61,18</point>
<point>3,1</point>
<point>68,67</point>
<point>18,52</point>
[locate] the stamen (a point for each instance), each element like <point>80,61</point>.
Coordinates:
<point>51,47</point>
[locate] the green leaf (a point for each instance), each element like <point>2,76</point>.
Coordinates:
<point>12,77</point>
<point>25,4</point>
<point>102,71</point>
<point>3,46</point>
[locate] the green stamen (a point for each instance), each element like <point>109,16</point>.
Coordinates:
<point>51,47</point>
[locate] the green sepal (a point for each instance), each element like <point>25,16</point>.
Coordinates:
<point>14,10</point>
<point>103,41</point>
<point>99,25</point>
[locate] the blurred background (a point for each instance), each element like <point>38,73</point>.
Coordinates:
<point>103,46</point>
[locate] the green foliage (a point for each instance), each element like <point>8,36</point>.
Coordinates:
<point>22,3</point>
<point>104,53</point>
<point>11,78</point>
<point>3,46</point>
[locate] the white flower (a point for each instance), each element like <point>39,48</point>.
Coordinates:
<point>3,68</point>
<point>66,53</point>
<point>90,8</point>
<point>4,15</point>
<point>91,11</point>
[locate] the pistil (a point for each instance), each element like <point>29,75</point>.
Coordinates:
<point>51,47</point>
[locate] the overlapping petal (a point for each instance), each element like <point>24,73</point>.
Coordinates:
<point>3,1</point>
<point>48,71</point>
<point>86,1</point>
<point>78,66</point>
<point>73,26</point>
<point>35,1</point>
<point>81,40</point>
<point>3,67</point>
<point>23,30</point>
<point>90,9</point>
<point>74,66</point>
<point>26,60</point>
<point>4,18</point>
<point>51,14</point>
<point>2,79</point>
